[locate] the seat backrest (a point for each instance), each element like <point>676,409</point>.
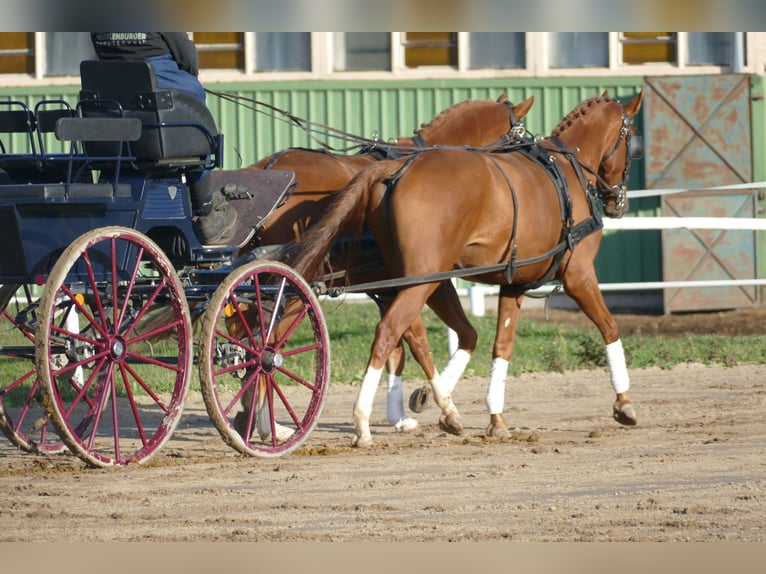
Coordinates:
<point>176,126</point>
<point>17,118</point>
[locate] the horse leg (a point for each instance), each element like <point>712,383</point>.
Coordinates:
<point>582,286</point>
<point>508,309</point>
<point>445,302</point>
<point>404,312</point>
<point>395,414</point>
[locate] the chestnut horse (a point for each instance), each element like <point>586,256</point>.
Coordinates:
<point>320,175</point>
<point>518,220</point>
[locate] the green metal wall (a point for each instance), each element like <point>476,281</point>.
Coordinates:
<point>393,108</point>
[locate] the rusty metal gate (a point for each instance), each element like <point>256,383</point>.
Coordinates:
<point>698,136</point>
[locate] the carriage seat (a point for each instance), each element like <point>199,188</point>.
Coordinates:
<point>178,130</point>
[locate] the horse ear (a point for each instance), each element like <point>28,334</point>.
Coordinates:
<point>503,98</point>
<point>605,94</point>
<point>522,109</point>
<point>632,107</point>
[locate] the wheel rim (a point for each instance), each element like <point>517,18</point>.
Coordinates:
<point>23,418</point>
<point>264,342</point>
<point>115,382</point>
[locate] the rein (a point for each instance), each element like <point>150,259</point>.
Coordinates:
<point>307,126</point>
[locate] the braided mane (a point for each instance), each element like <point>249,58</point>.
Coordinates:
<point>442,117</point>
<point>579,111</point>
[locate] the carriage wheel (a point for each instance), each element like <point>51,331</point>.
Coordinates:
<point>264,359</point>
<point>23,418</point>
<point>130,347</point>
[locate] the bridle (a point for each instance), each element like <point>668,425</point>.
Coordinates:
<point>634,147</point>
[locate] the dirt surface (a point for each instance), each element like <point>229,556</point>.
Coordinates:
<point>694,469</point>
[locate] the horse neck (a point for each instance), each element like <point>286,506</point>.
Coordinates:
<point>477,126</point>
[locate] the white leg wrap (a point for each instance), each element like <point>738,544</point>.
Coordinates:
<point>395,406</point>
<point>263,424</point>
<point>618,371</point>
<point>367,391</point>
<point>496,388</point>
<point>454,370</point>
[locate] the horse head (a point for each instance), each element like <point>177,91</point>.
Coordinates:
<point>602,134</point>
<point>615,164</point>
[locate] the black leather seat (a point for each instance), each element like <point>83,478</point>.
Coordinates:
<point>178,130</point>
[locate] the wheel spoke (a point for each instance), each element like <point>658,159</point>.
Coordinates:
<point>133,405</point>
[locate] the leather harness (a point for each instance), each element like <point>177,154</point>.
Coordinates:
<point>571,234</point>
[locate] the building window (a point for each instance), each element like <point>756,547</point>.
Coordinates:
<point>648,47</point>
<point>65,50</point>
<point>498,50</point>
<point>423,49</point>
<point>238,56</point>
<point>361,51</point>
<point>710,48</point>
<point>220,50</point>
<point>283,51</point>
<point>579,50</point>
<point>17,52</point>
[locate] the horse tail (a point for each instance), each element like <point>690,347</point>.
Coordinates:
<point>346,214</point>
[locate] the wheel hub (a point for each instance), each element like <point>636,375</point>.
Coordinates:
<point>271,360</point>
<point>118,348</point>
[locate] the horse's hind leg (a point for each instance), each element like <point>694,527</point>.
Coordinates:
<point>582,286</point>
<point>395,414</point>
<point>445,302</point>
<point>508,308</point>
<point>403,313</point>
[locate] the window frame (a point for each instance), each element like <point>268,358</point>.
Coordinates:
<point>536,58</point>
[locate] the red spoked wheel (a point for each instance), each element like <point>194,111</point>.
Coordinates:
<point>130,342</point>
<point>264,359</point>
<point>23,418</point>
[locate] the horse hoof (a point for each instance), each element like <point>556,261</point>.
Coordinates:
<point>625,414</point>
<point>497,432</point>
<point>421,399</point>
<point>283,434</point>
<point>240,424</point>
<point>407,424</point>
<point>361,441</point>
<point>451,424</point>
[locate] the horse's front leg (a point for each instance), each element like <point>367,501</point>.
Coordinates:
<point>508,308</point>
<point>445,302</point>
<point>581,285</point>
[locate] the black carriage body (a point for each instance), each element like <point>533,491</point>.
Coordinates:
<point>38,221</point>
<point>115,174</point>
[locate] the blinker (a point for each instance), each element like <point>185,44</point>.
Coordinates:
<point>635,147</point>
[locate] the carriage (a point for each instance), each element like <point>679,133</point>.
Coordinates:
<point>104,276</point>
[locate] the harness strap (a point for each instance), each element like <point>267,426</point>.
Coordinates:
<point>419,140</point>
<point>394,178</point>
